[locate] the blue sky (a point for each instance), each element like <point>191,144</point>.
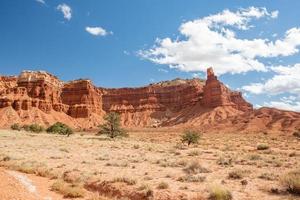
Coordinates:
<point>253,45</point>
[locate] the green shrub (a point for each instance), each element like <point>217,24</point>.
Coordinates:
<point>60,128</point>
<point>35,128</point>
<point>291,181</point>
<point>190,137</point>
<point>262,147</point>
<point>16,127</point>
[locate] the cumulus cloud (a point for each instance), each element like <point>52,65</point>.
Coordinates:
<point>41,1</point>
<point>286,103</point>
<point>212,41</point>
<point>97,31</point>
<point>285,80</point>
<point>66,10</point>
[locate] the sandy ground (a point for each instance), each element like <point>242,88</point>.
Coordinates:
<point>149,159</point>
<point>19,186</point>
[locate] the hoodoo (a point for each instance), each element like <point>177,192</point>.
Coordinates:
<point>217,94</point>
<point>39,97</point>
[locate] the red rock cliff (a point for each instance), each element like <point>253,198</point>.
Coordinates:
<point>81,104</point>
<point>148,106</point>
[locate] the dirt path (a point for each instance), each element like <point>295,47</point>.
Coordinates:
<point>19,186</point>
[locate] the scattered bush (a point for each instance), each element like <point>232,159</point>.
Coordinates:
<point>217,192</point>
<point>60,128</point>
<point>262,147</point>
<point>195,168</point>
<point>267,176</point>
<point>191,178</point>
<point>254,157</point>
<point>112,126</point>
<point>236,174</point>
<point>16,127</point>
<point>128,181</point>
<point>163,185</point>
<point>147,190</point>
<point>291,181</point>
<point>194,153</point>
<point>190,137</point>
<point>68,191</point>
<point>224,161</point>
<point>35,128</point>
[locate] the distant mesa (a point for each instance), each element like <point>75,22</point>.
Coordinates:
<point>39,97</point>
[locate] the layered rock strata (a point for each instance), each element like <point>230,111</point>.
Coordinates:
<point>37,96</point>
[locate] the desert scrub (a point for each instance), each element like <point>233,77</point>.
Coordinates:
<point>267,176</point>
<point>60,128</point>
<point>126,180</point>
<point>68,191</point>
<point>224,161</point>
<point>190,137</point>
<point>291,181</point>
<point>191,178</point>
<point>236,174</point>
<point>262,147</point>
<point>16,127</point>
<point>147,190</point>
<point>162,186</point>
<point>35,128</point>
<point>194,168</point>
<point>194,153</point>
<point>254,157</point>
<point>217,192</point>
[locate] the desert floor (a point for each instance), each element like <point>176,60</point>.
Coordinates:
<point>149,164</point>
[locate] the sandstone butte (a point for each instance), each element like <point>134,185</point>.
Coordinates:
<point>39,97</point>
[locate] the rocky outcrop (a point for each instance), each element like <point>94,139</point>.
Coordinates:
<point>217,94</point>
<point>39,97</point>
<point>82,98</point>
<point>149,106</point>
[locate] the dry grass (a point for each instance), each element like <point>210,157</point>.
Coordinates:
<point>151,157</point>
<point>67,190</point>
<point>217,192</point>
<point>291,181</point>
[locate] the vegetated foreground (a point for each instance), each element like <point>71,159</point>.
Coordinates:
<point>154,164</point>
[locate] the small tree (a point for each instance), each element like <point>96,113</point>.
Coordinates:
<point>112,126</point>
<point>190,137</point>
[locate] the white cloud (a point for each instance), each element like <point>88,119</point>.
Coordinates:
<point>286,103</point>
<point>41,1</point>
<point>97,31</point>
<point>163,70</point>
<point>66,10</point>
<point>285,80</point>
<point>212,41</point>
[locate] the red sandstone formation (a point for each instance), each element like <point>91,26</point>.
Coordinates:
<point>217,94</point>
<point>39,97</point>
<point>150,105</point>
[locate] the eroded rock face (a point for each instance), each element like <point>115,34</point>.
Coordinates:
<point>41,97</point>
<point>148,106</point>
<point>217,94</point>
